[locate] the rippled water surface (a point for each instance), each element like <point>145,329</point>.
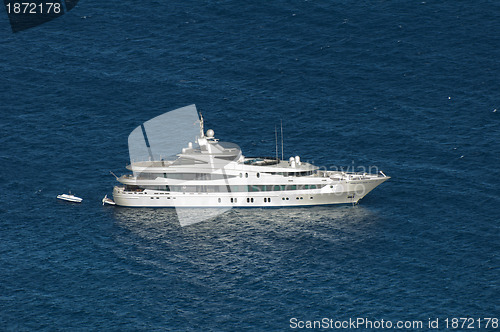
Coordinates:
<point>409,87</point>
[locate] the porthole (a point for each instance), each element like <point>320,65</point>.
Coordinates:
<point>258,175</point>
<point>241,175</point>
<point>251,199</point>
<point>219,200</point>
<point>269,200</point>
<point>265,200</point>
<point>246,175</point>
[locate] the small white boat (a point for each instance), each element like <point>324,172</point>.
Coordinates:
<point>70,198</point>
<point>107,200</point>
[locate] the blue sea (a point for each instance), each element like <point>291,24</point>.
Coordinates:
<point>410,87</point>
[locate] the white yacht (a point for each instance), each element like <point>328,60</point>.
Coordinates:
<point>208,173</point>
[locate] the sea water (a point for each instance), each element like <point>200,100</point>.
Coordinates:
<point>411,88</point>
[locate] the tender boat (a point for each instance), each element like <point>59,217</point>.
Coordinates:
<point>70,198</point>
<point>107,200</point>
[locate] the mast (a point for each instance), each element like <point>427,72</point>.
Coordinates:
<point>281,139</point>
<point>276,137</point>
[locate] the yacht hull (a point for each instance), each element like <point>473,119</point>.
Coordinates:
<point>339,193</point>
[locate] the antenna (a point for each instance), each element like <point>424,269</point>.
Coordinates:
<point>281,139</point>
<point>202,133</point>
<point>276,137</point>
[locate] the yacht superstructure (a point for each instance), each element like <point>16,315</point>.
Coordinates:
<point>210,173</point>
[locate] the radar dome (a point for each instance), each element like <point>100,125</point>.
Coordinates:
<point>210,133</point>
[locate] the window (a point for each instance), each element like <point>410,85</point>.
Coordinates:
<point>254,188</point>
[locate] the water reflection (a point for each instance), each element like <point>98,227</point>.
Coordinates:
<point>239,246</point>
<point>318,221</point>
